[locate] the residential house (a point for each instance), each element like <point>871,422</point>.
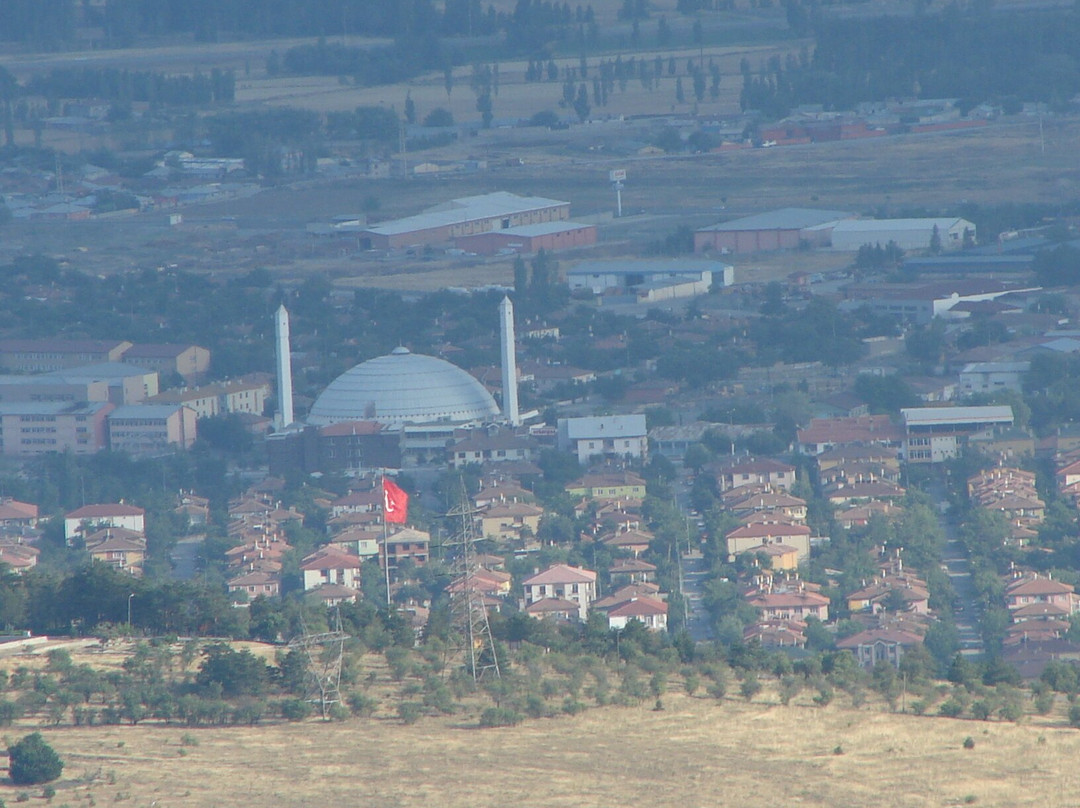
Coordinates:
<point>333,594</point>
<point>633,540</point>
<point>880,644</point>
<point>508,521</point>
<point>604,436</point>
<point>754,535</point>
<point>256,584</point>
<point>1036,589</point>
<point>790,603</point>
<point>739,472</point>
<point>898,592</point>
<point>859,515</point>
<point>781,556</point>
<point>331,565</point>
<point>14,513</point>
<point>18,557</point>
<point>558,609</point>
<point>482,446</point>
<point>407,544</point>
<point>563,582</point>
<point>92,517</point>
<point>124,551</point>
<point>649,612</point>
<point>992,377</point>
<point>367,501</point>
<point>359,541</point>
<point>631,571</point>
<point>784,506</point>
<point>776,633</point>
<point>620,485</point>
<point>489,583</point>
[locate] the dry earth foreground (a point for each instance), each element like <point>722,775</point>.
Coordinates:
<point>697,752</point>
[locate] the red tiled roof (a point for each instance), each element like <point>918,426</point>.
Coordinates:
<point>100,511</point>
<point>561,574</point>
<point>887,635</point>
<point>771,600</point>
<point>639,607</point>
<point>552,605</point>
<point>331,558</point>
<point>767,530</point>
<point>1038,586</point>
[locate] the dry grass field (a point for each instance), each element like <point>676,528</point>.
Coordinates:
<point>697,752</point>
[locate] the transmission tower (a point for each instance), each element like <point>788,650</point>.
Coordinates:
<point>468,613</point>
<point>323,653</point>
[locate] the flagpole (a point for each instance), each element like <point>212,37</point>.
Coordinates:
<point>385,541</point>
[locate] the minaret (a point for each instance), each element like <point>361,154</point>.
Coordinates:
<point>509,362</point>
<point>284,368</point>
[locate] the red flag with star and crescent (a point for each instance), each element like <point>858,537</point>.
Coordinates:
<point>395,503</point>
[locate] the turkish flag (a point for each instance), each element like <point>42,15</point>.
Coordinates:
<point>395,503</point>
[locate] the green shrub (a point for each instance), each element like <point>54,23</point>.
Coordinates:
<point>1074,715</point>
<point>951,708</point>
<point>572,706</point>
<point>409,712</point>
<point>295,709</point>
<point>969,742</point>
<point>33,761</point>
<point>1044,702</point>
<point>361,703</point>
<point>750,687</point>
<point>500,717</point>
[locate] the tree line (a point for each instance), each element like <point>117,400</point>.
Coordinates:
<point>125,86</point>
<point>969,55</point>
<point>54,24</point>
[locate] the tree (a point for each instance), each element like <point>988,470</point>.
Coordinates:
<point>484,107</point>
<point>935,241</point>
<point>410,109</point>
<point>439,117</point>
<point>581,103</point>
<point>544,117</point>
<point>239,673</point>
<point>663,32</point>
<point>33,761</point>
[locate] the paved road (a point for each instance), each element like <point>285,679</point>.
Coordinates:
<point>695,570</point>
<point>185,557</point>
<point>695,574</point>
<point>958,565</point>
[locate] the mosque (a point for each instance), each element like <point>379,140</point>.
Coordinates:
<point>389,411</point>
<point>404,388</point>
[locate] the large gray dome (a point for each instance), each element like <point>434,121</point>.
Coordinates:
<point>403,388</point>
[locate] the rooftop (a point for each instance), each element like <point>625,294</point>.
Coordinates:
<point>561,574</point>
<point>465,209</point>
<point>782,219</point>
<point>936,416</point>
<point>674,266</point>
